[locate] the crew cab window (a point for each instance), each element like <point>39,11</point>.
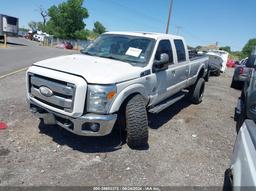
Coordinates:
<point>164,46</point>
<point>181,54</point>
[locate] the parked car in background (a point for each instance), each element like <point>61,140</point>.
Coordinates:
<point>215,63</point>
<point>231,63</point>
<point>240,70</point>
<point>246,106</point>
<point>68,45</point>
<point>65,45</point>
<point>116,79</point>
<point>242,172</point>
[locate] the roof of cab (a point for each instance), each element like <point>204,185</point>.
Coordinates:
<point>147,34</point>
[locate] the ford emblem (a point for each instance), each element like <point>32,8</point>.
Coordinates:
<point>45,91</point>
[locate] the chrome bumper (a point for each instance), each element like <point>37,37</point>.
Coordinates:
<point>79,126</point>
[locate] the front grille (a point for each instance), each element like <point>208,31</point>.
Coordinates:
<point>62,96</point>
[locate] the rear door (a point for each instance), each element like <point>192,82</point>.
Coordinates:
<point>181,66</point>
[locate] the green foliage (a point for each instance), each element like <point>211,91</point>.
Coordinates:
<point>82,34</point>
<point>226,48</point>
<point>23,30</point>
<point>66,19</point>
<point>36,26</point>
<point>98,28</point>
<point>235,55</point>
<point>248,47</point>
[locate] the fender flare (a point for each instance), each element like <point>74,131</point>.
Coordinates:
<point>199,70</point>
<point>125,93</point>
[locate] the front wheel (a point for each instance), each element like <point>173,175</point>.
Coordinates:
<point>196,92</point>
<point>136,122</point>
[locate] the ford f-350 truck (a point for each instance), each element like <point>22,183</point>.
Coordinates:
<point>119,77</point>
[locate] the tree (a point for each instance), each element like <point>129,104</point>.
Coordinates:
<point>44,14</point>
<point>66,19</point>
<point>32,25</point>
<point>248,47</point>
<point>36,26</point>
<point>98,28</point>
<point>226,48</point>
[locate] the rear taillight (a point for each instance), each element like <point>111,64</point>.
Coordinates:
<point>241,70</point>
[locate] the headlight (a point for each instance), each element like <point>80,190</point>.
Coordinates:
<point>100,97</point>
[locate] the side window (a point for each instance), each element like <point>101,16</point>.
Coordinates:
<point>164,46</point>
<point>181,54</point>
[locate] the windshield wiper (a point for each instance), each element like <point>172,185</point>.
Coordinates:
<point>87,53</point>
<point>110,57</point>
<point>123,60</point>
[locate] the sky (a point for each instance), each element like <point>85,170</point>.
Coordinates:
<point>201,22</point>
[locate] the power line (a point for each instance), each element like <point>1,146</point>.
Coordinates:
<point>157,20</point>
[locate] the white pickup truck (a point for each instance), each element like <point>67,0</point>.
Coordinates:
<point>117,78</point>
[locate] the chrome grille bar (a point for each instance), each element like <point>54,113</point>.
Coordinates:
<point>63,92</point>
<point>55,87</point>
<point>56,100</point>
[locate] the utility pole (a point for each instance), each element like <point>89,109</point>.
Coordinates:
<point>169,16</point>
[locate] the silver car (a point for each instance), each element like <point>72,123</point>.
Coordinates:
<point>239,72</point>
<point>242,172</point>
<point>246,106</point>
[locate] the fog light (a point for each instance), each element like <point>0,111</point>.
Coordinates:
<point>95,127</point>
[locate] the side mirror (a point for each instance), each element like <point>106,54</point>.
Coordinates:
<point>162,64</point>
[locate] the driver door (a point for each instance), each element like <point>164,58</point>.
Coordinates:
<point>162,78</point>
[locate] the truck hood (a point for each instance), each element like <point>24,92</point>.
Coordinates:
<point>93,69</point>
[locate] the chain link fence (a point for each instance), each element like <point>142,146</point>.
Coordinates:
<point>59,43</point>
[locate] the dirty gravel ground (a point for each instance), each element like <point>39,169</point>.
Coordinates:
<point>188,145</point>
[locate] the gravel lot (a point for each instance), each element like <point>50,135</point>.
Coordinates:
<point>189,145</point>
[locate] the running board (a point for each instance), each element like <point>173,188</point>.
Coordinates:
<point>170,101</point>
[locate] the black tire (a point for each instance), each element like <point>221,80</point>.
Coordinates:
<point>233,84</point>
<point>196,92</point>
<point>207,77</point>
<point>136,122</point>
<point>227,185</point>
<point>217,73</point>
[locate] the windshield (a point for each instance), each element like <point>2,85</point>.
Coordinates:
<point>131,49</point>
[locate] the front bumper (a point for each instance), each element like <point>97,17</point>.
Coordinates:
<point>86,125</point>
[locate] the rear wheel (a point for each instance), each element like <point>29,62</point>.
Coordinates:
<point>136,122</point>
<point>217,73</point>
<point>196,92</point>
